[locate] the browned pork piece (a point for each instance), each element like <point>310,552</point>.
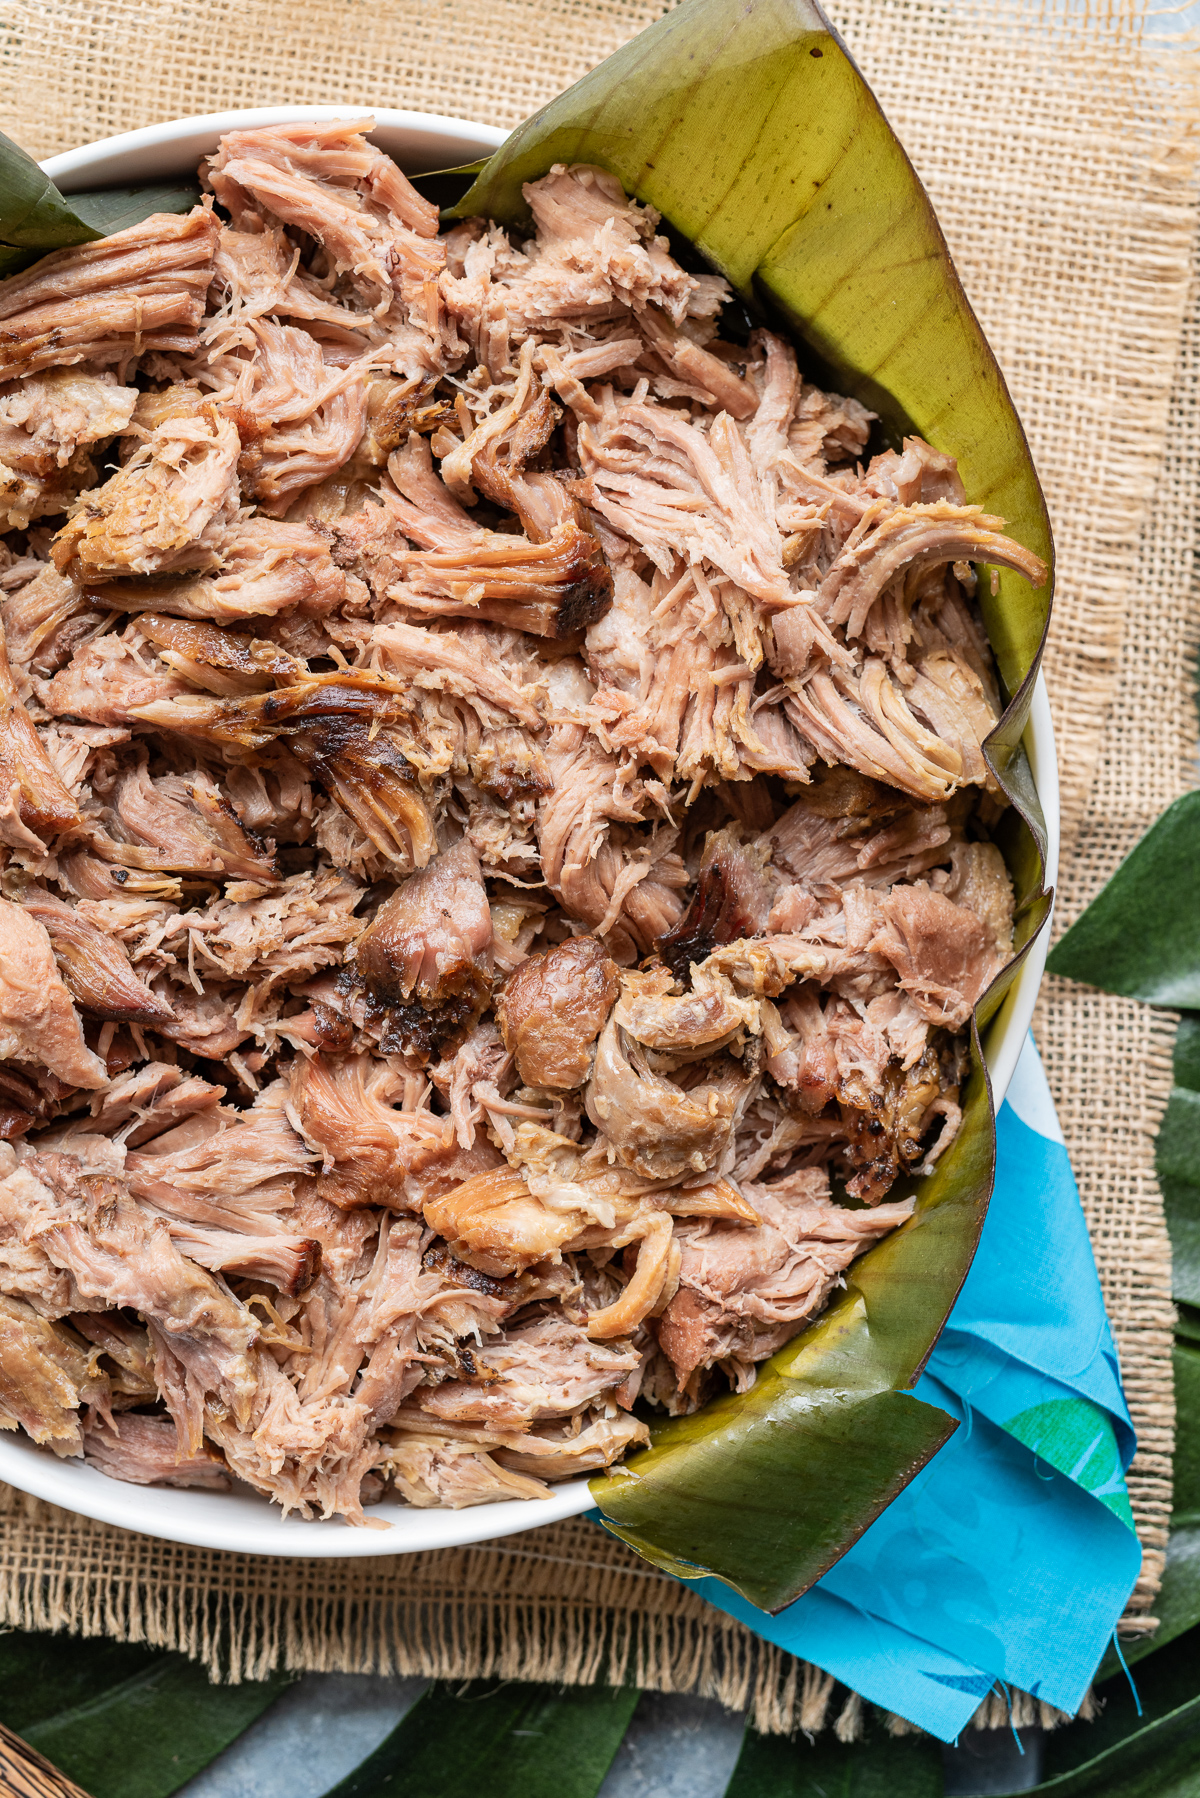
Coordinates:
<point>46,1374</point>
<point>335,726</point>
<point>138,292</point>
<point>553,1008</point>
<point>494,825</point>
<point>732,900</point>
<point>425,958</point>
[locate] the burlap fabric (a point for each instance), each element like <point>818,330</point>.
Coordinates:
<point>1060,154</point>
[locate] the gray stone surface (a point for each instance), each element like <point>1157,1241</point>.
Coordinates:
<point>676,1747</point>
<point>316,1733</point>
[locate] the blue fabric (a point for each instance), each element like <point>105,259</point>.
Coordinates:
<point>1011,1555</point>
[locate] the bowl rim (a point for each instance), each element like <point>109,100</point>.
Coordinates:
<point>242,1522</point>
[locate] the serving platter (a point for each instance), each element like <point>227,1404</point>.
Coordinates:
<point>241,1521</point>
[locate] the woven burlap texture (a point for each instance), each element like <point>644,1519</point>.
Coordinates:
<point>1059,152</point>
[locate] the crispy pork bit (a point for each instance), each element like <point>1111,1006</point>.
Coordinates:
<point>494,1223</point>
<point>494,816</point>
<point>107,303</point>
<point>653,1124</point>
<point>552,1009</point>
<point>732,900</point>
<point>426,957</point>
<point>336,728</point>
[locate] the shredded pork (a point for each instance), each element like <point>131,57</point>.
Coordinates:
<point>496,836</point>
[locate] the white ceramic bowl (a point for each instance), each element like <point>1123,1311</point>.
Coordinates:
<point>242,1521</point>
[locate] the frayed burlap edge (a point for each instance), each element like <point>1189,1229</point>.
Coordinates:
<point>566,1605</point>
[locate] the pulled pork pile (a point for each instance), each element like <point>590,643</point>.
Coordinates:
<point>495,822</point>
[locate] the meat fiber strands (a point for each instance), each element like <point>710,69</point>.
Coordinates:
<point>499,853</point>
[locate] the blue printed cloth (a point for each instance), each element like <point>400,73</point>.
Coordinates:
<point>1011,1555</point>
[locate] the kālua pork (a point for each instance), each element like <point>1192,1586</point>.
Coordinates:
<point>48,423</point>
<point>337,729</point>
<point>746,1289</point>
<point>328,181</point>
<point>39,1024</point>
<point>109,303</point>
<point>165,511</point>
<point>146,1451</point>
<point>113,1255</point>
<point>261,567</point>
<point>425,958</point>
<point>553,1008</point>
<point>95,966</point>
<point>495,818</point>
<point>552,581</point>
<point>46,1375</point>
<point>35,806</point>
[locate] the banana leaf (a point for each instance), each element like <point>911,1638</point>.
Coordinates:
<point>748,126</point>
<point>1140,936</point>
<point>121,1720</point>
<point>35,217</point>
<point>496,1737</point>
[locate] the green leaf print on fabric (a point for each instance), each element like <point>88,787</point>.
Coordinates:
<point>1077,1438</point>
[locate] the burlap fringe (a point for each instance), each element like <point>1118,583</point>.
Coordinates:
<point>481,1615</point>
